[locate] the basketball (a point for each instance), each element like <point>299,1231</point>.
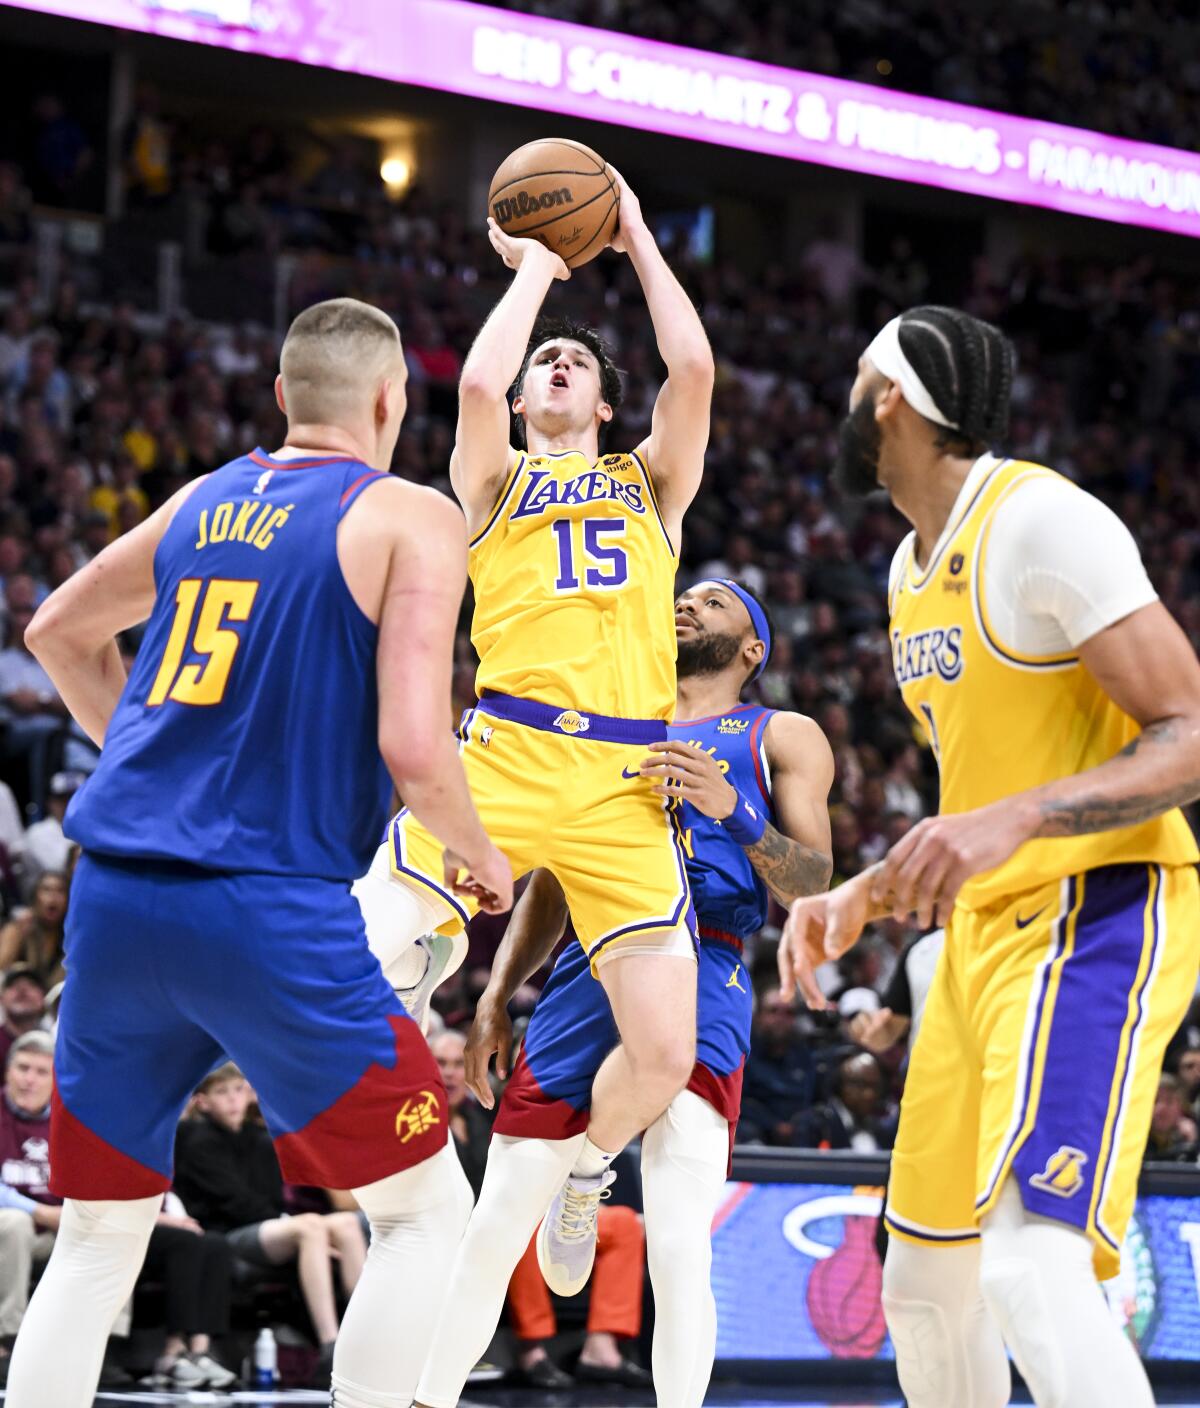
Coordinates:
<point>559,192</point>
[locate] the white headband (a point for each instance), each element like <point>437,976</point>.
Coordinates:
<point>889,357</point>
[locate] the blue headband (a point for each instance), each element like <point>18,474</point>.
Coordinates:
<point>758,618</point>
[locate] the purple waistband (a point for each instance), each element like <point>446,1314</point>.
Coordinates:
<point>571,723</point>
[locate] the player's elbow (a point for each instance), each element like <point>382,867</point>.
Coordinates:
<point>414,758</point>
<point>46,629</point>
<point>479,387</point>
<point>694,366</point>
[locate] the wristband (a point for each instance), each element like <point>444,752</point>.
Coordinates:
<point>745,824</point>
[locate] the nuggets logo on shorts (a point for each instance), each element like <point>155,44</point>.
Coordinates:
<point>417,1116</point>
<point>571,722</point>
<point>1063,1174</point>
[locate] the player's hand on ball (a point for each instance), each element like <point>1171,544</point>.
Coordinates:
<point>491,1035</point>
<point>924,871</point>
<point>629,219</point>
<point>679,770</point>
<point>489,881</point>
<point>514,251</point>
<point>820,927</point>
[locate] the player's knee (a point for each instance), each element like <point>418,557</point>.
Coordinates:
<point>309,1227</point>
<point>1015,1296</point>
<point>919,1325</point>
<point>662,1061</point>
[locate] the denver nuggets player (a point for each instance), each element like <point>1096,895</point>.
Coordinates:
<point>1063,705</point>
<point>749,787</point>
<point>573,559</point>
<point>301,608</point>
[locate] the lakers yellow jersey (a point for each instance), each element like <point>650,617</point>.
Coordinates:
<point>1001,723</point>
<point>574,579</point>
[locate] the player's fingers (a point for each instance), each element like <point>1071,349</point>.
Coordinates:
<point>787,981</point>
<point>907,879</point>
<point>885,876</point>
<point>503,1055</point>
<point>929,888</point>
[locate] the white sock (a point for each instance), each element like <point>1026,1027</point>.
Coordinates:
<point>685,1153</point>
<point>97,1255</point>
<point>395,916</point>
<point>417,1219</point>
<point>948,1347</point>
<point>519,1185</point>
<point>1037,1277</point>
<point>592,1160</point>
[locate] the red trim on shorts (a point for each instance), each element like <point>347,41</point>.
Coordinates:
<point>706,931</point>
<point>723,1093</point>
<point>392,1118</point>
<point>527,1112</point>
<point>82,1165</point>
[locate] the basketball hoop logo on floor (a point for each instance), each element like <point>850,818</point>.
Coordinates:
<point>845,1285</point>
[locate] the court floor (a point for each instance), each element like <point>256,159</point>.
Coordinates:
<point>723,1396</point>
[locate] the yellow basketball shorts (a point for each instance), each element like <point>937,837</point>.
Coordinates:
<point>560,788</point>
<point>1039,1055</point>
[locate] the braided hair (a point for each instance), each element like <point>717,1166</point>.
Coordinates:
<point>967,367</point>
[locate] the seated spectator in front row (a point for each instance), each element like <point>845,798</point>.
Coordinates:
<point>35,935</point>
<point>228,1176</point>
<point>855,1117</point>
<point>22,1005</point>
<point>1189,1079</point>
<point>1173,1133</point>
<point>777,1084</point>
<point>29,1212</point>
<point>615,1298</point>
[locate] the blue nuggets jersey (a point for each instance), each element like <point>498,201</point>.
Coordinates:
<point>246,738</point>
<point>730,899</point>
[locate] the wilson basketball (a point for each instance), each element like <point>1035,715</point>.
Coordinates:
<point>559,192</point>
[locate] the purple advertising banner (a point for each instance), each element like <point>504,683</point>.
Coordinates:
<point>573,71</point>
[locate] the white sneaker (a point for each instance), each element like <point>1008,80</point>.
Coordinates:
<point>216,1375</point>
<point>444,957</point>
<point>566,1241</point>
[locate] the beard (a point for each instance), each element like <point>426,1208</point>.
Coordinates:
<point>856,469</point>
<point>705,654</point>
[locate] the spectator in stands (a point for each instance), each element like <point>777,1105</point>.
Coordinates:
<point>778,1081</point>
<point>22,1005</point>
<point>196,1270</point>
<point>29,1212</point>
<point>46,848</point>
<point>855,1116</point>
<point>228,1177</point>
<point>35,935</point>
<point>1173,1133</point>
<point>1189,1079</point>
<point>30,707</point>
<point>470,1123</point>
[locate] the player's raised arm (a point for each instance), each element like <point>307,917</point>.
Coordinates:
<point>423,592</point>
<point>679,429</point>
<point>537,924</point>
<point>482,453</point>
<point>73,635</point>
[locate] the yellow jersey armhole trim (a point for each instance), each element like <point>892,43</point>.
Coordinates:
<point>514,473</point>
<point>1012,657</point>
<point>644,466</point>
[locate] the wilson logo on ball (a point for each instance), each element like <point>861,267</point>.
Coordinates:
<point>513,207</point>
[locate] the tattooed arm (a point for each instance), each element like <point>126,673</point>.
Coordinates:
<point>796,859</point>
<point>793,859</point>
<point>1147,668</point>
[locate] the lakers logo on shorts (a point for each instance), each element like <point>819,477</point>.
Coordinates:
<point>571,722</point>
<point>417,1116</point>
<point>1063,1174</point>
